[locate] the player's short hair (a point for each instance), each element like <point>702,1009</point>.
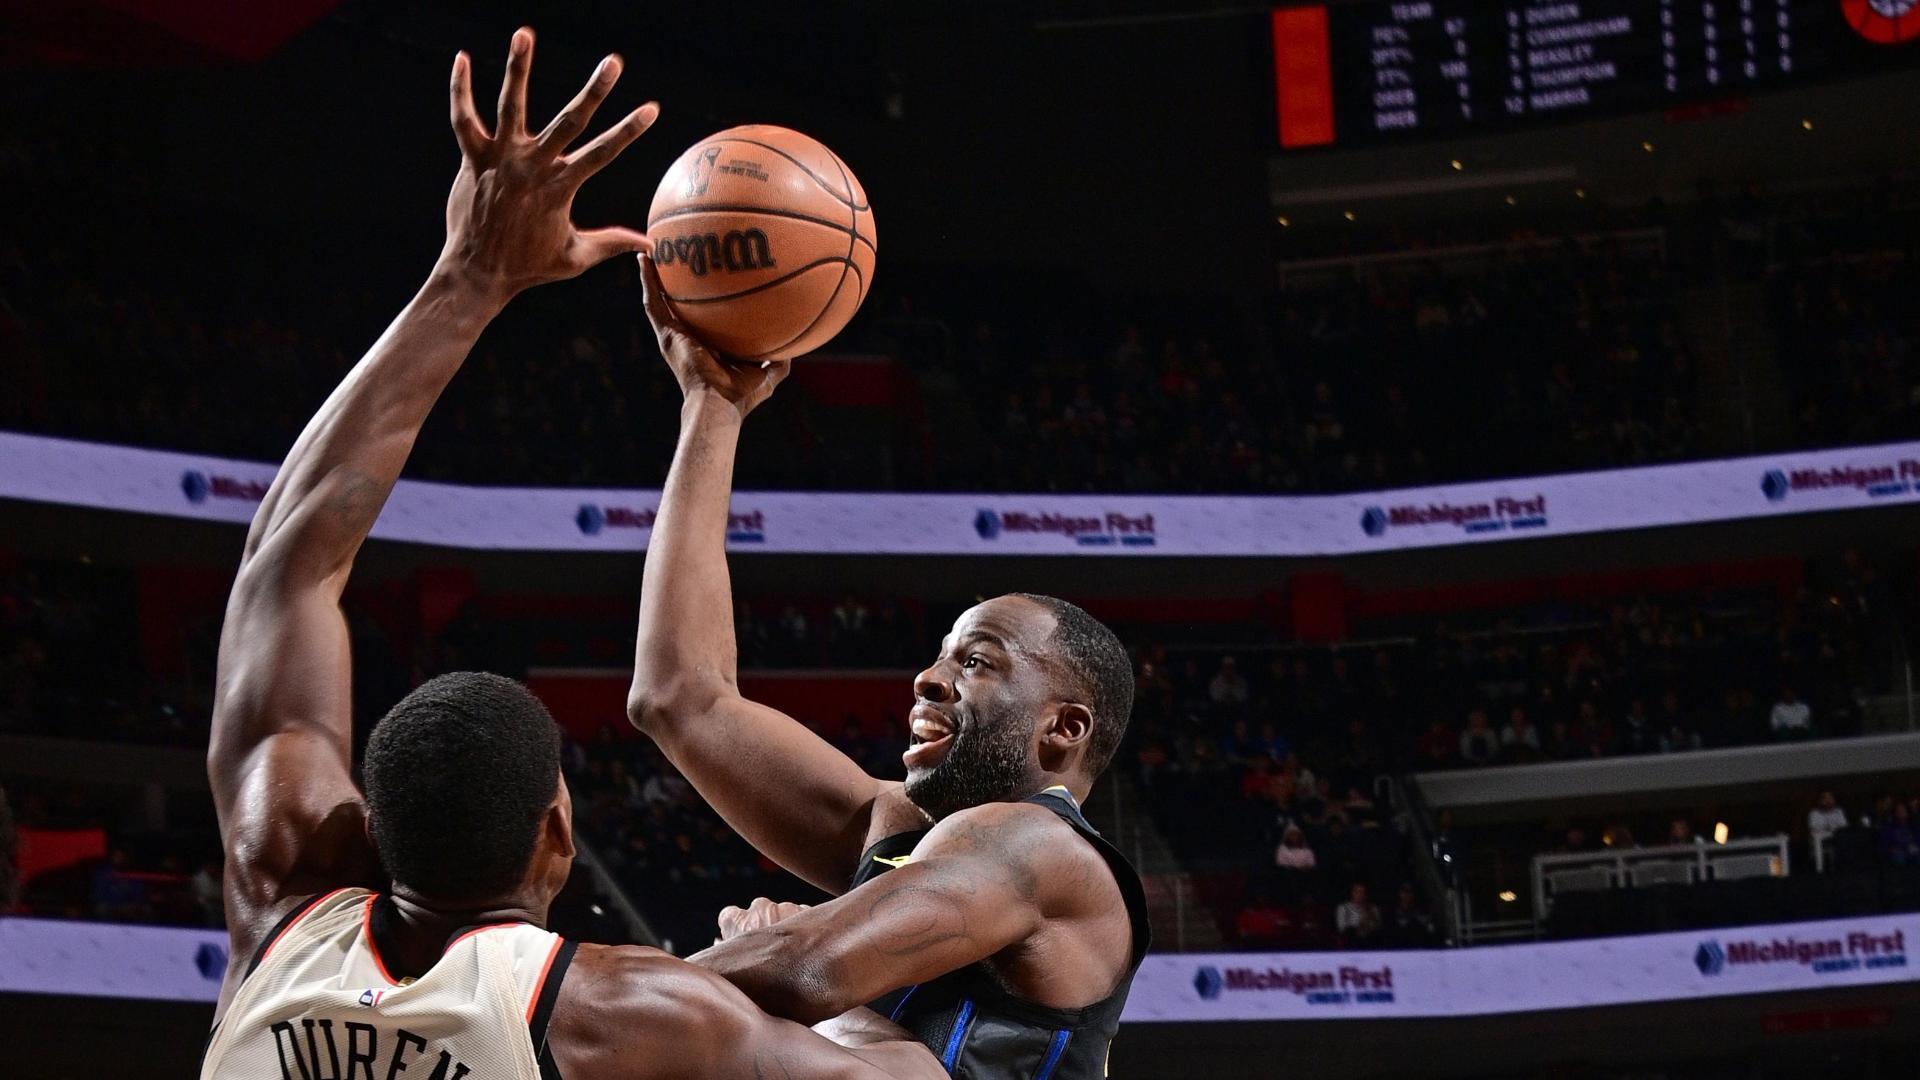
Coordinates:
<point>457,777</point>
<point>1101,669</point>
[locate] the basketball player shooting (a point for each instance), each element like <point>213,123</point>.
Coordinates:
<point>402,930</point>
<point>976,887</point>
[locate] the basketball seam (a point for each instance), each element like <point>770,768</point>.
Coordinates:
<point>846,199</point>
<point>855,267</point>
<point>853,233</point>
<point>733,209</point>
<point>760,287</point>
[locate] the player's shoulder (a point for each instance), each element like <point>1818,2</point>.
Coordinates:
<point>1018,831</point>
<point>1018,817</point>
<point>621,1003</point>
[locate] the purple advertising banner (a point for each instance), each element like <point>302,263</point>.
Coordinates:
<point>191,486</point>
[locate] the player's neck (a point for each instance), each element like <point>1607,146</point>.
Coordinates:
<point>1073,787</point>
<point>425,917</point>
<point>412,932</point>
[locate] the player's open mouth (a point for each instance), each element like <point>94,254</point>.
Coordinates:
<point>930,734</point>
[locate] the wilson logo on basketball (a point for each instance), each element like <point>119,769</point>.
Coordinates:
<point>741,249</point>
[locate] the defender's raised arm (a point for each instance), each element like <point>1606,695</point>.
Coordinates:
<point>291,819</point>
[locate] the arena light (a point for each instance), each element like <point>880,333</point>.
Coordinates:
<point>1721,832</point>
<point>1508,896</point>
<point>1806,125</point>
<point>1647,145</point>
<point>1457,164</point>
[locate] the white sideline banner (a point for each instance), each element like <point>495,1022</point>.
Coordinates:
<point>1176,987</point>
<point>46,956</point>
<point>115,960</point>
<point>106,477</point>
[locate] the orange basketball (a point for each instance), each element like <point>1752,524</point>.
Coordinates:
<point>764,242</point>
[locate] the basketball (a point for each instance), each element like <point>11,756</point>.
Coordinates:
<point>764,242</point>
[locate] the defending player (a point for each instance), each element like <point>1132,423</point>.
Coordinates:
<point>436,965</point>
<point>977,883</point>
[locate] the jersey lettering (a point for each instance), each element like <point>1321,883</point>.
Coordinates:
<point>363,1053</point>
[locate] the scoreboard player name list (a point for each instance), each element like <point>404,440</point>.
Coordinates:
<point>1551,58</point>
<point>1441,62</point>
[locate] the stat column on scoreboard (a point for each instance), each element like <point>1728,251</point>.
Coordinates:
<point>1419,69</point>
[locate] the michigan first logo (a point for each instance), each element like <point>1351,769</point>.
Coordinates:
<point>198,487</point>
<point>1875,481</point>
<point>1858,950</point>
<point>1085,530</point>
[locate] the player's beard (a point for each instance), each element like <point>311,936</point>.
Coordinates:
<point>987,763</point>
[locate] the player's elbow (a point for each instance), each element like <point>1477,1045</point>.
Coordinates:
<point>659,703</point>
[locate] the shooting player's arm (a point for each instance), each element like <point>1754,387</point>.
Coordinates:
<point>793,796</point>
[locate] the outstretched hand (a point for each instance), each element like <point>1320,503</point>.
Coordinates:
<point>742,383</point>
<point>509,216</point>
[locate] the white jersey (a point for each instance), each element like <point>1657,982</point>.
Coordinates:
<point>318,1004</point>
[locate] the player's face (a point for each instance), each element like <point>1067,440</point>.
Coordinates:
<point>971,731</point>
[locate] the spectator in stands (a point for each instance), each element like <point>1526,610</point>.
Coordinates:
<point>1295,859</point>
<point>849,641</point>
<point>1791,718</point>
<point>1560,745</point>
<point>207,894</point>
<point>1573,842</point>
<point>1358,919</point>
<point>1519,738</point>
<point>1680,831</point>
<point>118,895</point>
<point>1357,807</point>
<point>1256,782</point>
<point>1152,761</point>
<point>1262,922</point>
<point>1228,690</point>
<point>1899,844</point>
<point>1436,747</point>
<point>1478,744</point>
<point>1675,738</point>
<point>1825,819</point>
<point>1310,923</point>
<point>1407,926</point>
<point>1592,735</point>
<point>1637,732</point>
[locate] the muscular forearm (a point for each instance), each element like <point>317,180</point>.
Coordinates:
<point>344,465</point>
<point>787,973</point>
<point>685,648</point>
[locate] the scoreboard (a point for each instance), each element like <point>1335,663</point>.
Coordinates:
<point>1348,74</point>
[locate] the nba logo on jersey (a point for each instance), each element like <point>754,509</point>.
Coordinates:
<point>371,998</point>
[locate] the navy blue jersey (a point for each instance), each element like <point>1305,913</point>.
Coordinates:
<point>981,1031</point>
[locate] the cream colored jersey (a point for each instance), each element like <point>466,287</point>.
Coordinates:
<point>318,1004</point>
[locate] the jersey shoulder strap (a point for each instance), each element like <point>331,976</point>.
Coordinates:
<point>887,853</point>
<point>540,1009</point>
